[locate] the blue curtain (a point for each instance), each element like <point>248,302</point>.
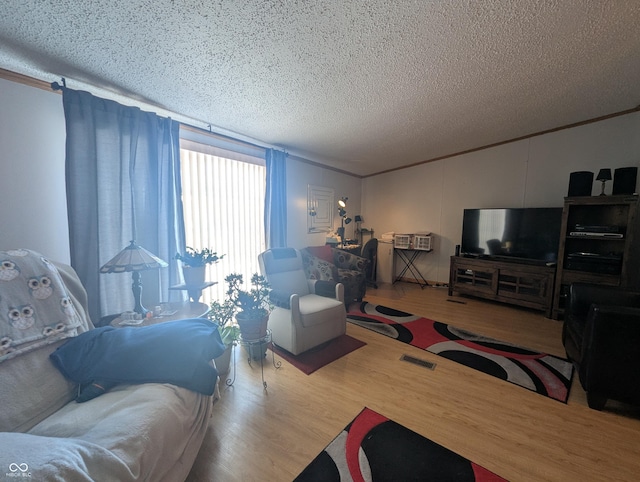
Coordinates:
<point>123,183</point>
<point>275,205</point>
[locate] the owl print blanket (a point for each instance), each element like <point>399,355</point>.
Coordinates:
<point>35,307</point>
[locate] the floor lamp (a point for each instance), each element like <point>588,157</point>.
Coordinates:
<point>342,204</point>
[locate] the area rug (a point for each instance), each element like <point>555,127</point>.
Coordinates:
<point>322,355</point>
<point>539,372</point>
<point>372,447</point>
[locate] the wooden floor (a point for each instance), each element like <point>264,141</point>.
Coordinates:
<point>271,436</point>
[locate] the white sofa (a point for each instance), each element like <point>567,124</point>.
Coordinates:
<point>139,431</point>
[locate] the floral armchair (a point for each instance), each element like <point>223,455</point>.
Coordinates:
<point>331,264</point>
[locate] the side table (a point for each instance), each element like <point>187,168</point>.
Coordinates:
<point>172,311</point>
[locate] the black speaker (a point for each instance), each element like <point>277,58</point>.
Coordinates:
<point>624,180</point>
<point>580,183</point>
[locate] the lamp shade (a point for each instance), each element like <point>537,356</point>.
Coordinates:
<point>604,175</point>
<point>133,258</point>
<point>358,219</point>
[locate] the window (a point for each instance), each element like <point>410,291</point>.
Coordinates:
<point>223,200</point>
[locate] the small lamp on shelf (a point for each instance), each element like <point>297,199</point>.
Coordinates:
<point>604,175</point>
<point>134,258</point>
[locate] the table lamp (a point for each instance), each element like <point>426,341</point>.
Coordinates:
<point>604,175</point>
<point>134,258</point>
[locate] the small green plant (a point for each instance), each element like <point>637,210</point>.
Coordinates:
<point>222,315</point>
<point>198,257</point>
<point>252,303</point>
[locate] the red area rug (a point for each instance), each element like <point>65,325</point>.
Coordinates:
<point>322,355</point>
<point>372,447</point>
<point>539,372</point>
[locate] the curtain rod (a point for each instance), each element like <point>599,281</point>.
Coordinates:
<point>56,86</point>
<point>208,129</point>
<point>229,138</point>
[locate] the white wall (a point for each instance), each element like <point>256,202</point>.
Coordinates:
<point>33,206</point>
<point>529,173</point>
<point>299,176</point>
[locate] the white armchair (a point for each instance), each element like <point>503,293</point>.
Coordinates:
<point>307,313</point>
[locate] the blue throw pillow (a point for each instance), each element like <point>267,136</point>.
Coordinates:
<point>176,352</point>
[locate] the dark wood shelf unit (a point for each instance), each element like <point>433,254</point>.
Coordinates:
<point>520,284</point>
<point>620,210</point>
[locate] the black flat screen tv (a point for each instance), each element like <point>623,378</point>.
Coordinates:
<point>519,234</point>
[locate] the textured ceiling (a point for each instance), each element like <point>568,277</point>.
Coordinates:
<point>361,85</point>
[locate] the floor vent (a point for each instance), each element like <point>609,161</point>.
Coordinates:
<point>419,362</point>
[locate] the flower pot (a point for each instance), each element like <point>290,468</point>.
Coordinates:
<point>223,362</point>
<point>251,327</point>
<point>256,351</point>
<point>194,276</point>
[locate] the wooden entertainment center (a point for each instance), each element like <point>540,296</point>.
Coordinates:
<point>618,211</point>
<point>528,285</point>
<point>582,257</point>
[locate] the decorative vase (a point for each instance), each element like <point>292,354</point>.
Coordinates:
<point>194,275</point>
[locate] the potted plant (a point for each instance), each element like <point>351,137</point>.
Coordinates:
<point>194,263</point>
<point>252,306</point>
<point>222,314</point>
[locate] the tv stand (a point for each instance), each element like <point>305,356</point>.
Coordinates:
<point>522,284</point>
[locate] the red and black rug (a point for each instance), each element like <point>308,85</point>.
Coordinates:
<point>372,447</point>
<point>539,372</point>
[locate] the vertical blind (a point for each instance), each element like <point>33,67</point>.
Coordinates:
<point>223,200</point>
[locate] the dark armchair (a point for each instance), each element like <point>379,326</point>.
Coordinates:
<point>601,336</point>
<point>331,264</point>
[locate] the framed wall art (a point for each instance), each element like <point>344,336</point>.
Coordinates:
<point>319,209</point>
